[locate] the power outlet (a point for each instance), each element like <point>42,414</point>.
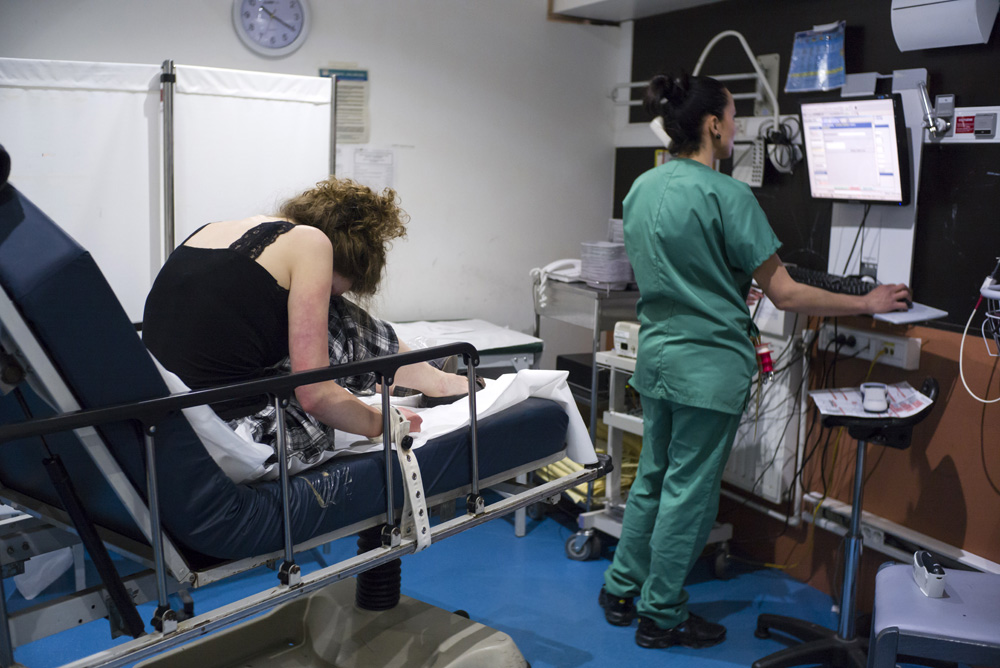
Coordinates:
<point>897,351</point>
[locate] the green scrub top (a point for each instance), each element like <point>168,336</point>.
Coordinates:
<point>694,237</point>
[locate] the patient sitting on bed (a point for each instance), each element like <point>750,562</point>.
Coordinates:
<point>244,299</point>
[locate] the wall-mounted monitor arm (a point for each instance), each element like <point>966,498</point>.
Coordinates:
<point>932,123</point>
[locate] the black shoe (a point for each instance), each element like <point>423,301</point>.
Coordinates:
<point>431,402</point>
<point>618,611</point>
<point>694,632</point>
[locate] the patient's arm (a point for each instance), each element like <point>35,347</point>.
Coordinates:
<point>309,290</point>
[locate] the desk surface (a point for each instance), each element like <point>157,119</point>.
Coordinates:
<point>485,336</point>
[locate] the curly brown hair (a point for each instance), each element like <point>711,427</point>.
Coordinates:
<point>358,221</point>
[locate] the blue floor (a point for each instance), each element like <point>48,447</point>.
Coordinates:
<point>527,588</point>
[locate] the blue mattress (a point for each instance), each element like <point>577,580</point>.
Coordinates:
<point>66,301</point>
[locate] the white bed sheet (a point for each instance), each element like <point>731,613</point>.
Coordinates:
<point>244,460</point>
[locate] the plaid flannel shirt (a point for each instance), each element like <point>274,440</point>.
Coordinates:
<point>354,335</point>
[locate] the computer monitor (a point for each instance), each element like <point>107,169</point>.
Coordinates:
<point>856,150</point>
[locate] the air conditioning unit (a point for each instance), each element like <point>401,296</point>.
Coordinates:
<point>931,24</point>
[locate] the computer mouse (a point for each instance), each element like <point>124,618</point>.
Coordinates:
<point>909,303</point>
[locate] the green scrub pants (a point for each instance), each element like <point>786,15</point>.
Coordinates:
<point>671,506</point>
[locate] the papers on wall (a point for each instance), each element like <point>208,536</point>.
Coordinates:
<point>352,104</point>
<point>817,59</point>
<point>371,166</point>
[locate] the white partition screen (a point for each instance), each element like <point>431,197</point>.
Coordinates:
<point>85,141</point>
<point>84,145</point>
<point>244,141</point>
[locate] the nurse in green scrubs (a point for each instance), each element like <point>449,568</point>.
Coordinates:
<point>695,238</point>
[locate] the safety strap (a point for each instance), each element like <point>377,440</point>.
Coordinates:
<point>415,523</point>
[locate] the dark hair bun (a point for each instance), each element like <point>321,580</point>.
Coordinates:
<point>666,91</point>
<point>676,90</point>
<point>683,101</point>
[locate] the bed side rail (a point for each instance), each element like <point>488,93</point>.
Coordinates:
<point>148,413</point>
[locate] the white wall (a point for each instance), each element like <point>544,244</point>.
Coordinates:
<point>501,119</point>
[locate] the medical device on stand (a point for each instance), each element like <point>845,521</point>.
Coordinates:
<point>990,292</point>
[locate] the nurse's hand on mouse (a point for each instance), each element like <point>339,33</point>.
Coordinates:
<point>889,297</point>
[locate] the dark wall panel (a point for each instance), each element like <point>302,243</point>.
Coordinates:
<point>958,226</point>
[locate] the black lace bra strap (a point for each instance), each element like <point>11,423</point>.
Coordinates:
<point>256,239</point>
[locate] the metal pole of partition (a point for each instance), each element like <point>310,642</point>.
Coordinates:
<point>333,126</point>
<point>155,529</point>
<point>593,369</point>
<point>286,513</point>
<point>853,554</point>
<point>390,516</point>
<point>167,79</point>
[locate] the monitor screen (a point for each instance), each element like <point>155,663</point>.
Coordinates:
<point>856,150</point>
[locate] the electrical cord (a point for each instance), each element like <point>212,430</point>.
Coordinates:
<point>782,138</point>
<point>827,484</point>
<point>982,434</point>
<point>961,354</point>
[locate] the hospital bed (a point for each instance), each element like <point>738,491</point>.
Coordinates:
<point>92,442</point>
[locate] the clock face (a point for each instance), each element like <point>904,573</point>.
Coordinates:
<point>271,27</point>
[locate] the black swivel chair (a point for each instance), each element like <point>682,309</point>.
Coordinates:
<point>842,647</point>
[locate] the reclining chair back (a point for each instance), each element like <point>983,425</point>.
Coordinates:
<point>57,289</point>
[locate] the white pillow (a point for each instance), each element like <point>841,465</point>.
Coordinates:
<point>239,458</point>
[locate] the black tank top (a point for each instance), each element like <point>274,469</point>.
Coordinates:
<point>215,316</point>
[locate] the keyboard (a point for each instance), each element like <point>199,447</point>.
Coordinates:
<point>848,285</point>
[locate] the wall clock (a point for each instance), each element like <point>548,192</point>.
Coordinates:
<point>271,27</point>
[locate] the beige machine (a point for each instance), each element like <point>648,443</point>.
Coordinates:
<point>326,629</point>
<point>627,338</point>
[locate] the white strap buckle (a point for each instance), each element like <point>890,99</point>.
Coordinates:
<point>415,523</point>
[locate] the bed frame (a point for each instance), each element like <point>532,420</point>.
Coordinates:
<point>92,442</point>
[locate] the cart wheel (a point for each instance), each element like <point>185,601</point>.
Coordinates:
<point>581,547</point>
<point>536,511</point>
<point>720,566</point>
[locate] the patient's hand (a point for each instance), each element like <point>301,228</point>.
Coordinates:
<point>414,418</point>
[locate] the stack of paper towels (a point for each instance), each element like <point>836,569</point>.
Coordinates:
<point>616,230</point>
<point>604,264</point>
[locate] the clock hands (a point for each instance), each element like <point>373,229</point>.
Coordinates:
<point>277,18</point>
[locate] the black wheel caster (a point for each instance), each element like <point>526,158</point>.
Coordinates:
<point>536,511</point>
<point>581,547</point>
<point>720,565</point>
